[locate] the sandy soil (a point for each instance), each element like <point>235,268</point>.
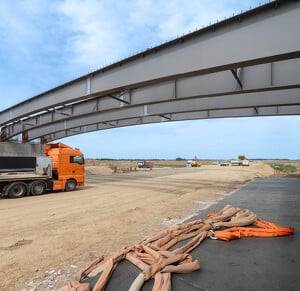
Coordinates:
<point>45,239</point>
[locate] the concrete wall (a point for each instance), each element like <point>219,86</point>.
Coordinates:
<point>19,149</point>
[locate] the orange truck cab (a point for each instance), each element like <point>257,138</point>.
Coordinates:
<point>67,166</point>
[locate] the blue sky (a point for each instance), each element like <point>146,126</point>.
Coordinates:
<point>46,43</point>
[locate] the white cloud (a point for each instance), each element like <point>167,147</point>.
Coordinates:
<point>101,32</point>
<point>29,53</point>
<point>93,33</point>
<point>22,26</point>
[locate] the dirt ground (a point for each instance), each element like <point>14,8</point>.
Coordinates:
<point>45,239</point>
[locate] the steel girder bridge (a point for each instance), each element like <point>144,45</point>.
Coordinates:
<point>247,65</point>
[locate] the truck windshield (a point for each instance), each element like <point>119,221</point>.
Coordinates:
<point>77,160</point>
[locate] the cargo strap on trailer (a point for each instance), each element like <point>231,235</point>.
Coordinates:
<point>155,259</point>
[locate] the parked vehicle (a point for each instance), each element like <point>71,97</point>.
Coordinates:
<point>61,168</point>
<point>236,163</point>
<point>240,161</point>
<point>245,163</point>
<point>145,164</point>
<point>224,163</point>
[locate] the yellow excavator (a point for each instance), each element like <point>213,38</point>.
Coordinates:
<point>193,163</point>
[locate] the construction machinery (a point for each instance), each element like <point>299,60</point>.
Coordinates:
<point>193,163</point>
<point>240,161</point>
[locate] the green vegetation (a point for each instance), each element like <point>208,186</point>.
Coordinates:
<point>287,169</point>
<point>170,165</point>
<point>180,159</point>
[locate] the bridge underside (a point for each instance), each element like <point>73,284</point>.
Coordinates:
<point>248,65</point>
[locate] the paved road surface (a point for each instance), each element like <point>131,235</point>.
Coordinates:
<point>247,263</point>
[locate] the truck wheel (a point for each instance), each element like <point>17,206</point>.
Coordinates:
<point>16,190</point>
<point>38,188</point>
<point>70,185</point>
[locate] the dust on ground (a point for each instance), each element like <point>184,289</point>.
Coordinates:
<point>46,239</point>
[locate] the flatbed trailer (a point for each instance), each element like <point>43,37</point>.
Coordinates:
<point>21,177</point>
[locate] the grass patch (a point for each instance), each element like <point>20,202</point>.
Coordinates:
<point>287,169</point>
<point>169,165</point>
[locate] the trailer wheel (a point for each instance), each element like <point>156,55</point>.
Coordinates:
<point>16,190</point>
<point>70,185</point>
<point>37,187</point>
